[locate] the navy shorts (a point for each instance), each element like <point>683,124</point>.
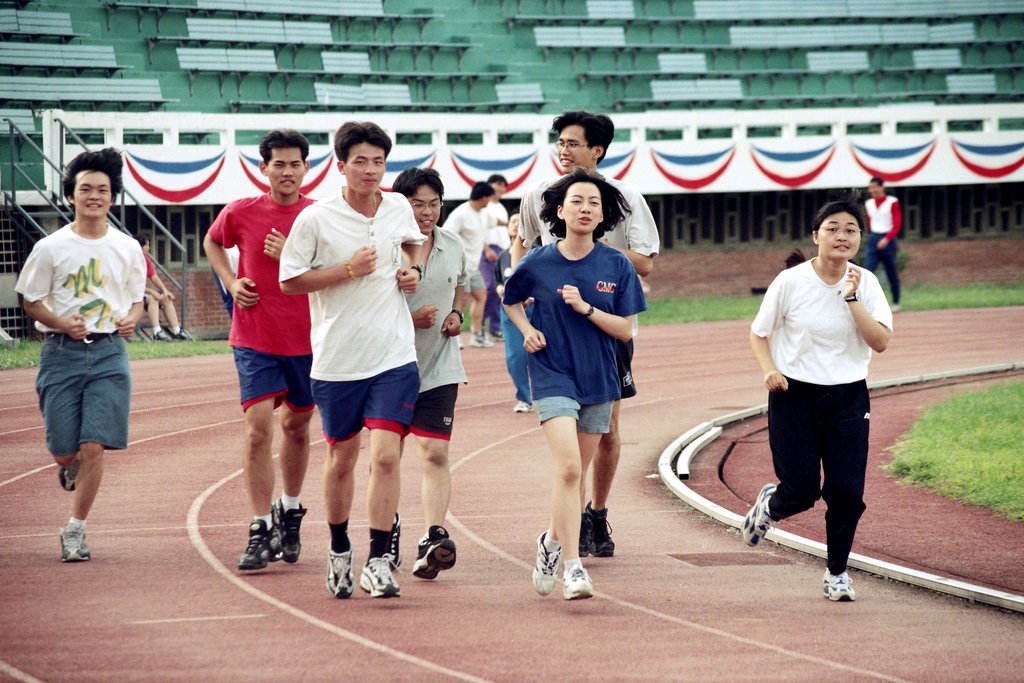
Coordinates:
<point>385,401</point>
<point>84,392</point>
<point>263,376</point>
<point>435,412</point>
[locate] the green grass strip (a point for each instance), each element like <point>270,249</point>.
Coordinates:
<point>26,353</point>
<point>969,448</point>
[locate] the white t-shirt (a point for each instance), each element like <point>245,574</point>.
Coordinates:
<point>99,279</point>
<point>473,227</point>
<point>359,328</point>
<point>500,213</point>
<point>813,337</point>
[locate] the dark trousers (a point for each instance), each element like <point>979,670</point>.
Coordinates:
<point>887,257</point>
<point>815,429</point>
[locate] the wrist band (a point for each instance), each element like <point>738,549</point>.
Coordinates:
<point>348,267</point>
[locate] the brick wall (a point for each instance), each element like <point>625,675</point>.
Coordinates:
<point>206,317</point>
<point>735,272</point>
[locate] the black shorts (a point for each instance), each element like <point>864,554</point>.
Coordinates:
<point>435,412</point>
<point>624,363</point>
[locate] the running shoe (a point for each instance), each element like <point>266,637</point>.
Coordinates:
<point>523,407</point>
<point>377,579</point>
<point>480,341</point>
<point>68,473</point>
<point>264,546</point>
<point>435,554</point>
<point>162,336</point>
<point>586,533</point>
<point>288,523</point>
<point>394,554</point>
<point>72,545</point>
<point>339,574</point>
<point>546,567</point>
<point>839,588</point>
<point>757,523</point>
<point>577,584</point>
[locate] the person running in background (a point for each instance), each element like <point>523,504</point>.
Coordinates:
<point>885,220</point>
<point>349,253</point>
<point>585,294</point>
<point>159,297</point>
<point>813,337</point>
<point>436,309</point>
<point>83,285</point>
<point>583,141</point>
<point>472,223</point>
<point>270,340</point>
<point>515,354</point>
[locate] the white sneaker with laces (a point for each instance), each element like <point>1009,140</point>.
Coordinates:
<point>577,584</point>
<point>72,545</point>
<point>546,567</point>
<point>839,588</point>
<point>758,522</point>
<point>480,341</point>
<point>523,407</point>
<point>377,579</point>
<point>339,574</point>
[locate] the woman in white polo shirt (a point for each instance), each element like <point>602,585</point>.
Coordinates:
<point>813,338</point>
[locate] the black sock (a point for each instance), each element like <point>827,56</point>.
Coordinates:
<point>339,537</point>
<point>379,541</point>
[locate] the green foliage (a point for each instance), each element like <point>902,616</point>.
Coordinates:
<point>969,448</point>
<point>26,353</point>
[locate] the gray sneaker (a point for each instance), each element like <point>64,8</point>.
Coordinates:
<point>68,473</point>
<point>72,545</point>
<point>339,574</point>
<point>546,567</point>
<point>377,579</point>
<point>758,522</point>
<point>577,585</point>
<point>838,588</point>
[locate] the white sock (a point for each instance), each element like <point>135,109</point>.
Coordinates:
<point>551,546</point>
<point>156,329</point>
<point>289,502</point>
<point>176,330</point>
<point>76,523</point>
<point>265,519</point>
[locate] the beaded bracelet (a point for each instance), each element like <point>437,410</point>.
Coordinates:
<point>348,267</point>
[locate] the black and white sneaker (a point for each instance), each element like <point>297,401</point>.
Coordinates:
<point>264,546</point>
<point>68,473</point>
<point>758,521</point>
<point>339,574</point>
<point>394,553</point>
<point>546,567</point>
<point>601,543</point>
<point>435,554</point>
<point>377,579</point>
<point>288,523</point>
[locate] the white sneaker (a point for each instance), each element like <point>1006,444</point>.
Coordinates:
<point>577,584</point>
<point>480,341</point>
<point>757,523</point>
<point>839,588</point>
<point>546,568</point>
<point>72,545</point>
<point>339,574</point>
<point>523,407</point>
<point>377,579</point>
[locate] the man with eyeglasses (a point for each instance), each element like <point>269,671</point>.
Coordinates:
<point>346,252</point>
<point>583,141</point>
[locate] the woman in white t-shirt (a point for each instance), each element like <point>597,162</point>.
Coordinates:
<point>813,337</point>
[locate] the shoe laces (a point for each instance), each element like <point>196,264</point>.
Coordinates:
<point>73,539</point>
<point>256,541</point>
<point>380,570</point>
<point>551,558</point>
<point>576,575</point>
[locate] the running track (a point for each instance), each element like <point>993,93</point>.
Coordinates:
<point>682,600</point>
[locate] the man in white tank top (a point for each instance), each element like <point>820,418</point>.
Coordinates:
<point>885,220</point>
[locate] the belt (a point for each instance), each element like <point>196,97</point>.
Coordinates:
<point>89,338</point>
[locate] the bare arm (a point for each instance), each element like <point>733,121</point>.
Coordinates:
<point>242,290</point>
<point>533,339</point>
<point>617,326</point>
<point>773,379</point>
<point>73,325</point>
<point>874,333</point>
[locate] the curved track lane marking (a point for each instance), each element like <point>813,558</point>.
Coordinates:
<point>195,536</point>
<point>17,674</point>
<point>710,630</point>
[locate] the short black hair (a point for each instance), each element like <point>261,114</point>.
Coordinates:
<point>848,201</point>
<point>411,179</point>
<point>353,133</point>
<point>598,128</point>
<point>497,178</point>
<point>480,190</point>
<point>613,205</point>
<point>877,181</point>
<point>283,138</point>
<point>106,160</point>
<point>142,239</point>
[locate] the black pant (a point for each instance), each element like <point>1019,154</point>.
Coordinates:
<point>814,429</point>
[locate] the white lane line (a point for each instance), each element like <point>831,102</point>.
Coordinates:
<point>710,630</point>
<point>204,551</point>
<point>181,620</point>
<point>17,674</point>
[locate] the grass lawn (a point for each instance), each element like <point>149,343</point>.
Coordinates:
<point>969,448</point>
<point>26,353</point>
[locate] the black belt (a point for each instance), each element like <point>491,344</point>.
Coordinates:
<point>89,338</point>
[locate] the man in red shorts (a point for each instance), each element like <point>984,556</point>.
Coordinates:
<point>270,336</point>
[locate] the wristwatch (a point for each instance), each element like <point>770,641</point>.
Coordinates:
<point>418,268</point>
<point>850,299</point>
<point>590,311</point>
<point>457,312</point>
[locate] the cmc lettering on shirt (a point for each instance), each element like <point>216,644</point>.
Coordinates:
<point>606,287</point>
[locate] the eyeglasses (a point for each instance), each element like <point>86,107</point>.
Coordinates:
<point>570,145</point>
<point>419,206</point>
<point>835,231</point>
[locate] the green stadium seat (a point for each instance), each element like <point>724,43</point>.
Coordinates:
<point>942,58</point>
<point>30,24</point>
<point>50,56</point>
<point>40,89</point>
<point>519,93</point>
<point>22,118</point>
<point>258,31</point>
<point>971,83</point>
<point>683,62</point>
<point>346,62</point>
<point>610,9</point>
<point>832,61</point>
<point>330,8</point>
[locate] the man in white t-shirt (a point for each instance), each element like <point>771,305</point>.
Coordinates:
<point>84,285</point>
<point>583,141</point>
<point>471,222</point>
<point>499,184</point>
<point>346,252</point>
